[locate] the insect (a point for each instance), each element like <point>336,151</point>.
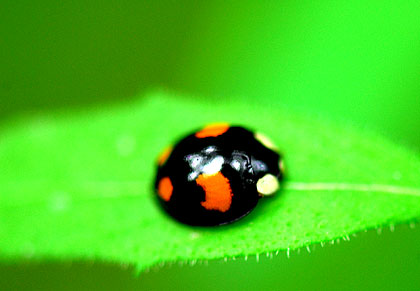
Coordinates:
<point>217,174</point>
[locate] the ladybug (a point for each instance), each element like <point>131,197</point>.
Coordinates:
<point>216,175</point>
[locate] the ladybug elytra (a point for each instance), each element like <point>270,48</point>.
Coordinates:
<point>217,175</point>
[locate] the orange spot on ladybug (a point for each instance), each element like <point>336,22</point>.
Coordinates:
<point>165,188</point>
<point>213,130</point>
<point>218,191</point>
<point>164,156</point>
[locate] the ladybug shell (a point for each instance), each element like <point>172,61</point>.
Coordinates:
<point>210,177</point>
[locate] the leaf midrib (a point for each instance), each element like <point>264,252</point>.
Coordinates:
<point>290,186</point>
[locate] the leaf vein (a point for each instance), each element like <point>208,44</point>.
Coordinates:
<point>330,186</point>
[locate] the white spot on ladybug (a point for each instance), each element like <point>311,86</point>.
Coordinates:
<point>235,164</point>
<point>214,166</point>
<point>265,140</point>
<point>209,149</point>
<point>192,176</point>
<point>194,161</point>
<point>267,185</point>
<point>211,167</point>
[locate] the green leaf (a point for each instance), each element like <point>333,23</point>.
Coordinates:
<point>79,186</point>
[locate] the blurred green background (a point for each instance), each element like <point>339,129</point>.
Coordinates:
<point>354,61</point>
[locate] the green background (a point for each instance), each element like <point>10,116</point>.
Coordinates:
<point>356,61</point>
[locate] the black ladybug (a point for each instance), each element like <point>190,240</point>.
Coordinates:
<point>217,174</point>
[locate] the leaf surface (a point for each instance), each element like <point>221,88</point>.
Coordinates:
<point>79,186</point>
